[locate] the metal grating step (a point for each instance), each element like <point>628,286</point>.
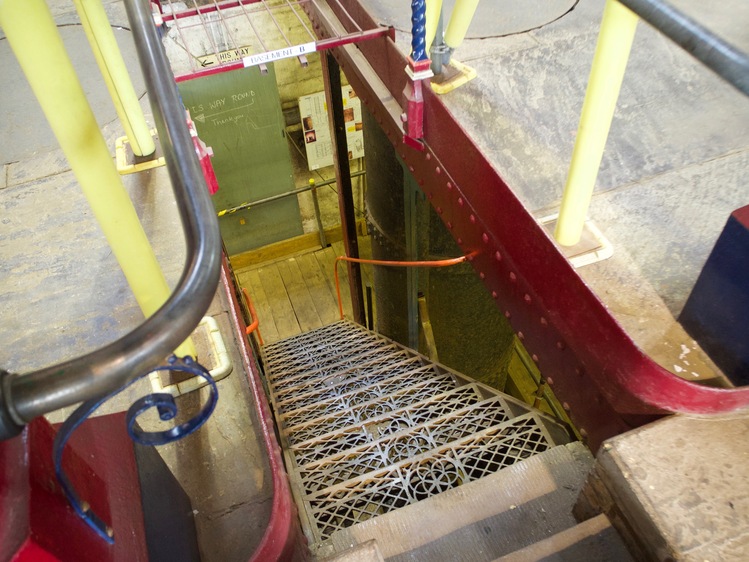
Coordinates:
<point>369,426</point>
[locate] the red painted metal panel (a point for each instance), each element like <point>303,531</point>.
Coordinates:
<point>100,462</point>
<point>592,364</point>
<point>283,538</point>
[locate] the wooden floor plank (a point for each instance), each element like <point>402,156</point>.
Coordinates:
<point>283,311</point>
<point>326,259</point>
<point>367,271</point>
<point>317,284</point>
<point>250,280</point>
<point>299,295</point>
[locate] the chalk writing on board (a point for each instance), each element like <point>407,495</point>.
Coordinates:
<point>202,117</point>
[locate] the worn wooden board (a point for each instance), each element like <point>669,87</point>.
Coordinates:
<point>326,259</point>
<point>299,295</point>
<point>283,311</point>
<point>320,291</point>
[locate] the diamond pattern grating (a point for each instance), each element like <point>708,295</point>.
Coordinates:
<point>369,426</point>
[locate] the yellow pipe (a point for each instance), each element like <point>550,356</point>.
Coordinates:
<point>460,19</point>
<point>33,36</point>
<point>434,8</point>
<point>113,69</point>
<point>609,63</point>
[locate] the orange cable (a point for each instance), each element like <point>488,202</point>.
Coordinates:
<point>255,326</point>
<point>433,263</point>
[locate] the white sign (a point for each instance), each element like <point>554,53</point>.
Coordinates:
<point>270,56</point>
<point>232,55</point>
<point>314,112</point>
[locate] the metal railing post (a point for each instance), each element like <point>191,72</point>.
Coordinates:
<point>609,63</point>
<point>113,69</point>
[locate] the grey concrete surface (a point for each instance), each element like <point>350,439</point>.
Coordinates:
<point>682,485</point>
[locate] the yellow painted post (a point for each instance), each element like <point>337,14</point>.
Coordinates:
<point>33,36</point>
<point>460,19</point>
<point>434,9</point>
<point>609,63</point>
<point>113,69</point>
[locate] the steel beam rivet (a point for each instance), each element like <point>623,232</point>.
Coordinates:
<point>497,256</point>
<point>527,298</point>
<point>535,358</point>
<point>403,155</point>
<point>494,294</point>
<point>521,336</point>
<point>439,210</point>
<point>411,169</point>
<point>470,258</point>
<point>513,277</point>
<point>438,170</point>
<point>508,314</point>
<point>430,196</point>
<point>566,406</point>
<point>583,433</point>
<point>460,241</point>
<point>449,225</point>
<point>560,345</point>
<point>449,186</point>
<point>549,381</point>
<point>481,274</point>
<point>460,201</point>
<point>472,218</point>
<point>485,238</point>
<point>428,156</point>
<point>544,323</point>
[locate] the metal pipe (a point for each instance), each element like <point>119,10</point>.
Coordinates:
<point>434,23</point>
<point>606,74</point>
<point>278,196</point>
<point>318,216</point>
<point>95,374</point>
<point>717,54</point>
<point>460,20</point>
<point>113,69</point>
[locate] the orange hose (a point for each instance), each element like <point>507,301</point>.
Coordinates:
<point>255,326</point>
<point>433,263</point>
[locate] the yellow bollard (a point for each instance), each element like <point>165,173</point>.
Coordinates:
<point>113,69</point>
<point>434,9</point>
<point>460,19</point>
<point>609,63</point>
<point>33,36</point>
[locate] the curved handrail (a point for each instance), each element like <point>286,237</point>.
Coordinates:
<point>24,397</point>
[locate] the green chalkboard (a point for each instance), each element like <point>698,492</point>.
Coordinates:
<point>238,114</point>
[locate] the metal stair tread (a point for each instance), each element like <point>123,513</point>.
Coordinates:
<point>455,399</point>
<point>309,358</point>
<point>360,377</point>
<point>378,403</point>
<point>393,385</point>
<point>482,519</point>
<point>337,368</point>
<point>341,469</point>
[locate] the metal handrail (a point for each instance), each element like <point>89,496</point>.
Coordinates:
<point>718,55</point>
<point>24,397</point>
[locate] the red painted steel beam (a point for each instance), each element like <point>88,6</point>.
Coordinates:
<point>588,359</point>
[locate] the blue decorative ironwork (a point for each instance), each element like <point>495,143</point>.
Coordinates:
<point>167,409</point>
<point>418,30</point>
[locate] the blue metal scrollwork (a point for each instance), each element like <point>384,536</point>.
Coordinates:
<point>418,30</point>
<point>167,409</point>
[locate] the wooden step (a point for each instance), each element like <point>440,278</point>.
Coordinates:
<point>594,539</point>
